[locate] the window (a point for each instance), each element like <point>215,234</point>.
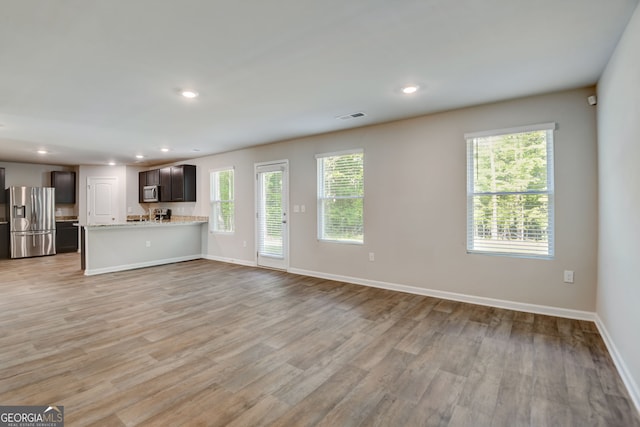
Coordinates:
<point>222,206</point>
<point>510,191</point>
<point>341,196</point>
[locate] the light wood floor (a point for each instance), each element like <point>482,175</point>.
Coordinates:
<point>207,343</point>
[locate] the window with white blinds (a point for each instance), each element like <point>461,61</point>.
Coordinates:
<point>341,196</point>
<point>221,218</point>
<point>510,192</point>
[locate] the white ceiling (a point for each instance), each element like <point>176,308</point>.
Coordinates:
<point>98,81</point>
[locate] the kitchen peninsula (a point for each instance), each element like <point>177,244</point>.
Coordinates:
<point>108,248</point>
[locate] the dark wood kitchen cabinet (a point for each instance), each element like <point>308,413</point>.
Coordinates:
<point>4,241</point>
<point>65,185</point>
<point>184,177</point>
<point>178,184</point>
<point>142,181</point>
<point>165,184</point>
<point>2,186</point>
<point>151,177</point>
<point>66,237</point>
<point>4,228</point>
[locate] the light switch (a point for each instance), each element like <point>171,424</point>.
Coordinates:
<point>296,208</point>
<point>568,276</point>
<point>303,209</point>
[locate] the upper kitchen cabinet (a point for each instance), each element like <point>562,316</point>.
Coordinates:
<point>151,177</point>
<point>165,184</point>
<point>2,185</point>
<point>183,183</point>
<point>178,184</point>
<point>65,185</point>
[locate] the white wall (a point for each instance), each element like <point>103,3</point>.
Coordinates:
<point>132,205</point>
<point>415,204</point>
<point>619,206</point>
<point>35,175</point>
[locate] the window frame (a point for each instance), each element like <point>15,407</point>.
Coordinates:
<point>549,192</point>
<point>321,197</point>
<point>214,183</point>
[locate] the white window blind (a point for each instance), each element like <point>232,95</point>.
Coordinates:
<point>341,196</point>
<point>222,205</point>
<point>270,214</point>
<point>510,191</point>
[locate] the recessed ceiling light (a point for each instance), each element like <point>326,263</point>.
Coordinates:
<point>164,150</point>
<point>410,89</point>
<point>189,94</point>
<point>42,151</point>
<point>112,163</point>
<point>139,156</point>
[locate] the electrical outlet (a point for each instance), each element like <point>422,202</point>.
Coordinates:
<point>372,256</point>
<point>244,244</point>
<point>303,208</point>
<point>568,276</point>
<point>296,208</point>
<point>148,243</point>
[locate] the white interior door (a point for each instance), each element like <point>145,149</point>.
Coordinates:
<point>102,200</point>
<point>272,208</point>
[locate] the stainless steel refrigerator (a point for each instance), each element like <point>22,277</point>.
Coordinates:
<point>32,222</point>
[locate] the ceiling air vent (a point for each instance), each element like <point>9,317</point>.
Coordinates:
<point>351,116</point>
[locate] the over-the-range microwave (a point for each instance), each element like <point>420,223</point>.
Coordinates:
<point>150,193</point>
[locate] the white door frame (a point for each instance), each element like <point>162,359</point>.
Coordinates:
<point>283,264</point>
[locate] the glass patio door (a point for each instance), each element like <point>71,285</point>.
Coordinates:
<point>272,214</point>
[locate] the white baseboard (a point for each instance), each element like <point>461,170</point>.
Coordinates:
<point>491,302</point>
<point>632,386</point>
<point>123,267</point>
<point>230,260</point>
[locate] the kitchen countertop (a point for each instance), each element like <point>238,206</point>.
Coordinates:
<point>143,224</point>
